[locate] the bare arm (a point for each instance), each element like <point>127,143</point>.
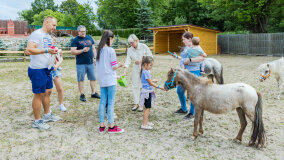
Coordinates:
<point>75,52</point>
<point>120,65</point>
<point>195,59</point>
<point>153,84</point>
<point>33,50</point>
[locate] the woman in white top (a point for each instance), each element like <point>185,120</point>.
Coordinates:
<point>135,54</point>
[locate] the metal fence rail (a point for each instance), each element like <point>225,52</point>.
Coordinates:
<point>261,44</point>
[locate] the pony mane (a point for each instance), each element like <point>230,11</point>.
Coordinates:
<point>194,79</point>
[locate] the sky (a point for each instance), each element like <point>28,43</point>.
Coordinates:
<point>9,8</point>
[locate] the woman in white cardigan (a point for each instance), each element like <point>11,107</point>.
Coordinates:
<point>135,54</point>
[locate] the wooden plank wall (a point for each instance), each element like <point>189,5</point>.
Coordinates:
<point>208,39</point>
<point>161,42</point>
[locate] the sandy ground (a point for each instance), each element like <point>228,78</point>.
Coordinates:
<point>77,137</point>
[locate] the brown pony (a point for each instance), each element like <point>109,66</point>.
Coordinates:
<point>220,99</point>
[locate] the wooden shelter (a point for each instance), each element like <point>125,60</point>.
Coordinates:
<point>168,38</point>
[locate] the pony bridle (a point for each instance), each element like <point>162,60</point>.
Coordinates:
<point>171,83</point>
<point>265,76</point>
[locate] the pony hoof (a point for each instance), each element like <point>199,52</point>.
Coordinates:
<point>201,132</point>
<point>193,137</point>
<point>237,140</point>
<point>251,144</point>
<point>259,146</point>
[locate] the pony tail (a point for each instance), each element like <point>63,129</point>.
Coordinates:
<point>104,40</point>
<point>142,63</point>
<point>258,132</point>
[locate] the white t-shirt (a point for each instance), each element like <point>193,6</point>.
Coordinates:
<point>104,67</point>
<point>44,41</point>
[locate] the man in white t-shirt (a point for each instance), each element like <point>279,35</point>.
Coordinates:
<point>38,48</point>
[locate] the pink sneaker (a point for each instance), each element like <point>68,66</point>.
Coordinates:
<point>115,130</point>
<point>102,129</point>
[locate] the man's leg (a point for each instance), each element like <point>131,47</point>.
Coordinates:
<point>81,87</point>
<point>36,104</point>
<point>93,84</point>
<point>46,101</point>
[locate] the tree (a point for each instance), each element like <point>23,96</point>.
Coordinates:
<point>253,15</point>
<point>117,14</point>
<point>26,15</point>
<point>159,9</point>
<point>40,5</point>
<point>190,12</point>
<point>143,19</point>
<point>85,16</point>
<point>69,21</point>
<point>38,19</point>
<point>69,7</point>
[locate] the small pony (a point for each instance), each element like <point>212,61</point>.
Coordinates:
<point>277,69</point>
<point>220,99</point>
<point>213,69</point>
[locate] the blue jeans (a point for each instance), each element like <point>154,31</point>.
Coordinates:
<point>182,97</point>
<point>107,97</point>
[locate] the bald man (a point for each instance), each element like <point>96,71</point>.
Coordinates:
<point>38,48</point>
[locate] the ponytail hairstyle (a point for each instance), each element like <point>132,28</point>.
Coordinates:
<point>105,40</point>
<point>145,60</point>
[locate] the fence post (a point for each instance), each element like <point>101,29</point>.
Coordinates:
<point>269,44</point>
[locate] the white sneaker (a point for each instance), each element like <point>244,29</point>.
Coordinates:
<point>40,125</point>
<point>50,118</point>
<point>150,124</point>
<point>146,127</point>
<point>62,108</point>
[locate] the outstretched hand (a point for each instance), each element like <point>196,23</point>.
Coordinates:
<point>154,80</point>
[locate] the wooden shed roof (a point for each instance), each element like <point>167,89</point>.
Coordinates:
<point>180,27</point>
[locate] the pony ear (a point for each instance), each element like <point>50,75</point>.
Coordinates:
<point>172,70</point>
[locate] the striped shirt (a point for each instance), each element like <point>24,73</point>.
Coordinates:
<point>104,67</point>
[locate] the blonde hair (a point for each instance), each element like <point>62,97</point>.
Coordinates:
<point>195,41</point>
<point>132,38</point>
<point>48,18</point>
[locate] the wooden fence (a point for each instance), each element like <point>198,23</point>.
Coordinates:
<point>263,44</point>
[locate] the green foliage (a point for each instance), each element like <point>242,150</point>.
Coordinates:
<point>71,13</point>
<point>117,13</point>
<point>26,15</point>
<point>38,19</point>
<point>180,20</point>
<point>39,5</point>
<point>69,7</point>
<point>85,16</point>
<point>256,16</point>
<point>69,20</point>
<point>143,20</point>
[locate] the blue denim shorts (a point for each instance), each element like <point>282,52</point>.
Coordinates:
<point>41,80</point>
<point>83,69</point>
<point>56,73</point>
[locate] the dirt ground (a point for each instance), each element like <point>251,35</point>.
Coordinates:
<point>76,136</point>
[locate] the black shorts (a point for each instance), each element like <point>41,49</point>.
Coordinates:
<point>148,102</point>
